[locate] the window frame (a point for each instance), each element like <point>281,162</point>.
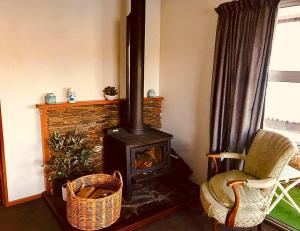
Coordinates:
<point>288,3</point>
<point>284,76</point>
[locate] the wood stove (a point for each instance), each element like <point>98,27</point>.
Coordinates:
<point>138,151</point>
<point>137,157</point>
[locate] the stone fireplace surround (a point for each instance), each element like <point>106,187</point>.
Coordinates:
<point>92,117</point>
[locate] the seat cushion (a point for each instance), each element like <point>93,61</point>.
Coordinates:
<point>244,218</point>
<point>251,198</point>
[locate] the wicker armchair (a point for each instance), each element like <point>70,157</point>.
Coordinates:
<point>240,198</point>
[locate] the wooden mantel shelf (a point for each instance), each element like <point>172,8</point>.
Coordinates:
<point>87,103</point>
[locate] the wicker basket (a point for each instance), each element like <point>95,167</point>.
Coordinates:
<point>94,214</point>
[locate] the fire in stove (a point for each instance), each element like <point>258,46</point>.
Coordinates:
<point>148,158</point>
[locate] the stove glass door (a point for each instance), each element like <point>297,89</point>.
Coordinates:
<point>150,157</point>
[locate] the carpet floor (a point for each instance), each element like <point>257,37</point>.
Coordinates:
<point>36,216</point>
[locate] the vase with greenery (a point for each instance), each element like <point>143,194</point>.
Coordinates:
<point>71,157</point>
<point>110,93</point>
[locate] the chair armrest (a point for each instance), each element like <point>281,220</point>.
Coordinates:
<point>233,155</point>
<point>235,183</point>
<point>228,155</point>
<point>224,155</point>
<point>232,214</point>
<point>214,157</point>
<point>263,183</point>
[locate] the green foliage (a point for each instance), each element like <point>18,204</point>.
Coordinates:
<point>110,91</point>
<point>71,156</point>
<point>284,212</point>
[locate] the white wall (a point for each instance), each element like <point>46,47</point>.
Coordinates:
<point>48,46</point>
<point>152,47</point>
<point>187,46</point>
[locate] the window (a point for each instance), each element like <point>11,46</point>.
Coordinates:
<point>282,109</point>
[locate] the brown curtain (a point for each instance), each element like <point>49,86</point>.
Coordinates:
<point>242,53</point>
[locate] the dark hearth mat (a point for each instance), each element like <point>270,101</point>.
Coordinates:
<point>151,201</point>
<point>148,196</point>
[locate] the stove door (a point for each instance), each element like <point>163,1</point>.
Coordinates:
<point>149,158</point>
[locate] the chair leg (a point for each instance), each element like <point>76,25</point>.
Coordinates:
<point>215,224</point>
<point>259,227</point>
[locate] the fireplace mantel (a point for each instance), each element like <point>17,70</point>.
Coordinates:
<point>92,116</point>
<point>88,103</point>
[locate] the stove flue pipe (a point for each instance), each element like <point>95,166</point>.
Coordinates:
<point>136,66</point>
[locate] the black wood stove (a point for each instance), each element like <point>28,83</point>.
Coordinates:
<point>138,151</point>
<point>137,157</point>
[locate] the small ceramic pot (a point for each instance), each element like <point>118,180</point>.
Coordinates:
<point>64,191</point>
<point>50,98</point>
<point>110,97</point>
<point>151,93</point>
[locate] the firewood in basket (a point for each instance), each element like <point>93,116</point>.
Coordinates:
<point>86,192</point>
<point>100,193</point>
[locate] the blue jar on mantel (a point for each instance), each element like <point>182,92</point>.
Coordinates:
<point>71,95</point>
<point>50,98</point>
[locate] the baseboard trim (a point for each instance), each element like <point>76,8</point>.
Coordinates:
<point>22,200</point>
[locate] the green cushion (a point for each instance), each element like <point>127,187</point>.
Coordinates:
<point>245,217</point>
<point>251,198</point>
